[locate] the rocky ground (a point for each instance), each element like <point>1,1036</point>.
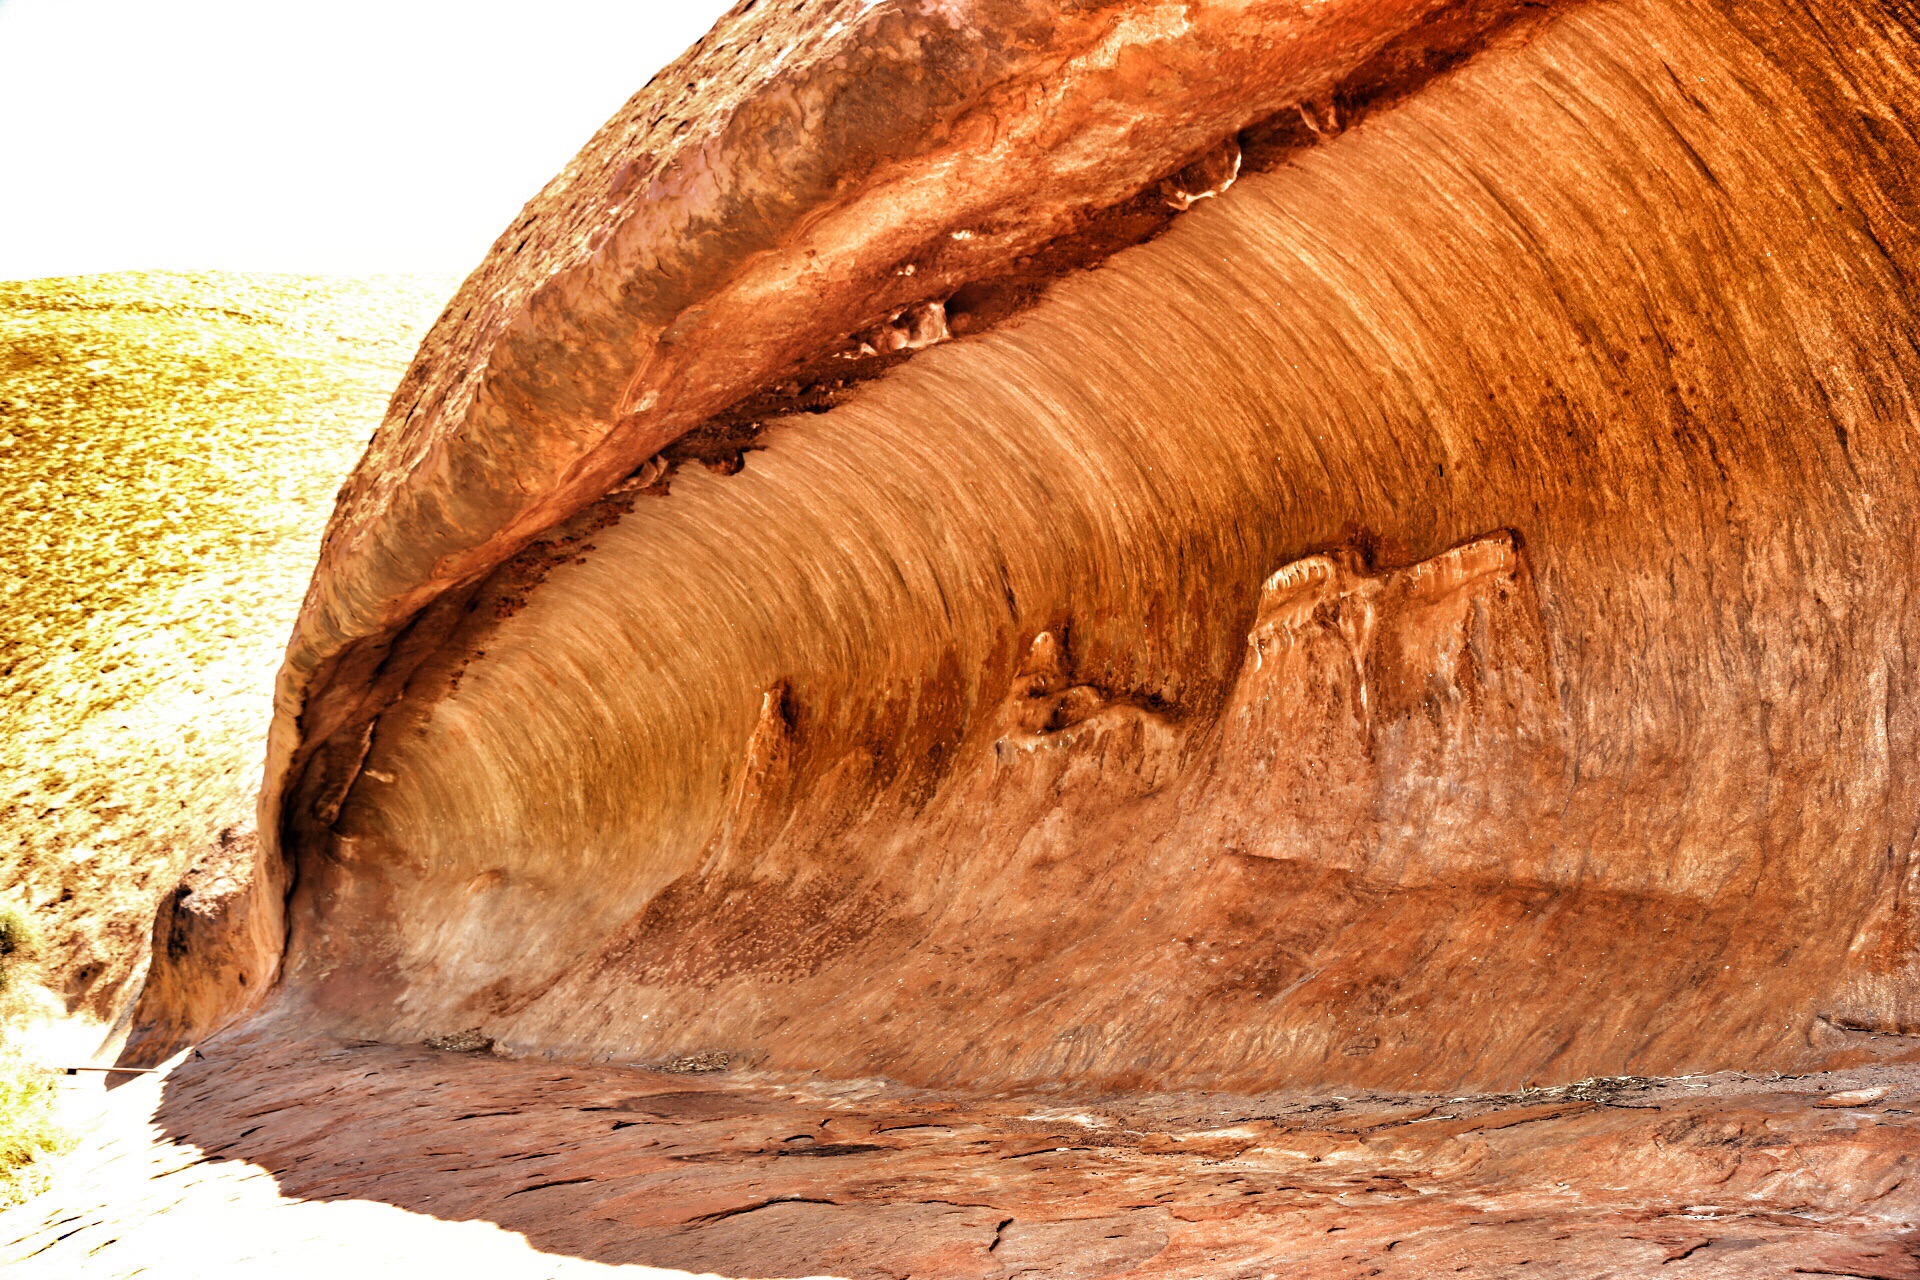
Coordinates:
<point>274,1157</point>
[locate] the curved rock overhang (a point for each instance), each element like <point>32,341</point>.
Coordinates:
<point>805,173</point>
<point>1436,612</point>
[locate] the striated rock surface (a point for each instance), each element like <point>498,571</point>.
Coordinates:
<point>816,181</point>
<point>1431,608</point>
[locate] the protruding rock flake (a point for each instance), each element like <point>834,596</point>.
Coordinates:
<point>1205,178</point>
<point>912,329</point>
<point>644,477</point>
<point>1321,118</point>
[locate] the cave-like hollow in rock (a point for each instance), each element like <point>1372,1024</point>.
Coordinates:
<point>1133,547</point>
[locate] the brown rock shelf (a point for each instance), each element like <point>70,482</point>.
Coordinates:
<point>766,1175</point>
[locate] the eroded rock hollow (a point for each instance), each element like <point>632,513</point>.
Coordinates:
<point>1135,545</point>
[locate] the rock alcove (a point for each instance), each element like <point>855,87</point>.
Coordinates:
<point>1126,548</point>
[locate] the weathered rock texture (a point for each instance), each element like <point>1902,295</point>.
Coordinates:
<point>1435,613</point>
<point>272,1159</point>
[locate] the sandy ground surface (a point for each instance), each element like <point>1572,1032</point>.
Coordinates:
<point>273,1157</point>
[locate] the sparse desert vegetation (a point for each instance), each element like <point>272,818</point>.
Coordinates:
<point>169,449</point>
<point>29,1123</point>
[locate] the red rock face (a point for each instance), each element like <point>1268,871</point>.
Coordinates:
<point>1401,727</point>
<point>807,175</point>
<point>1433,613</point>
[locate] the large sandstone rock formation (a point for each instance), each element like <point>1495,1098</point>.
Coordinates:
<point>1147,545</point>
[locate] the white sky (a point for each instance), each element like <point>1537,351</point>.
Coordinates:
<point>302,135</point>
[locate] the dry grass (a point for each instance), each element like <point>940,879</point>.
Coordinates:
<point>169,450</point>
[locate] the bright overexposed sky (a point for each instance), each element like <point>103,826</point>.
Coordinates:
<point>302,135</point>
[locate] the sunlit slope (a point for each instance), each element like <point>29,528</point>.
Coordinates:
<point>171,447</point>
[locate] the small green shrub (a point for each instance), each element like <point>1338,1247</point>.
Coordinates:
<point>29,1127</point>
<point>19,944</point>
<point>19,962</point>
<point>29,1124</point>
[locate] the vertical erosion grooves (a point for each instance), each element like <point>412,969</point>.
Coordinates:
<point>811,182</point>
<point>1435,614</point>
<point>814,193</point>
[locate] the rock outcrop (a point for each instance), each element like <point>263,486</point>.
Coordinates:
<point>1225,545</point>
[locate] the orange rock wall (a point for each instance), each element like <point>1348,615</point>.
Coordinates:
<point>1437,615</point>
